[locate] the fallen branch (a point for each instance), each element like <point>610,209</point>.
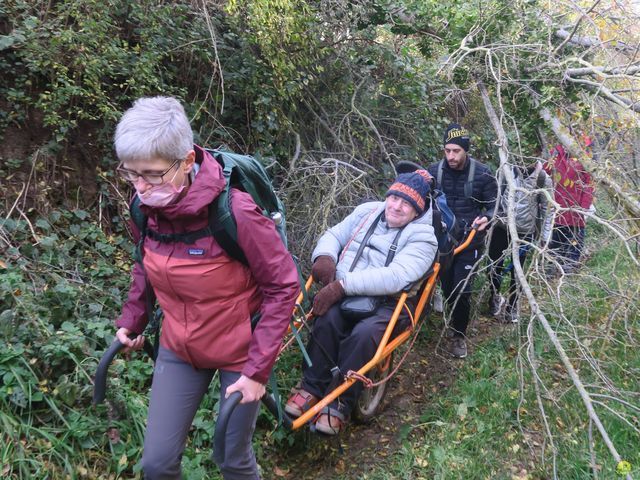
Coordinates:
<point>536,311</point>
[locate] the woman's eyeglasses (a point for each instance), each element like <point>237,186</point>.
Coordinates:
<point>149,177</point>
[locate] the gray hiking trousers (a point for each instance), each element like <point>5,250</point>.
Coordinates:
<point>176,393</point>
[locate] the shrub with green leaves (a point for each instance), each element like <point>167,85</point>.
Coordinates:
<point>77,60</point>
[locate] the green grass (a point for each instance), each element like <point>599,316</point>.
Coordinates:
<point>58,299</point>
<point>473,430</point>
<point>488,424</point>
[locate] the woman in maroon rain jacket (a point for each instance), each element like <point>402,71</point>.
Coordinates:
<point>207,297</point>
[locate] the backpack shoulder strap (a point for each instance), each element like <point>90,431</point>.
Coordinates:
<point>224,227</point>
<point>439,174</point>
<point>468,185</point>
<point>153,315</point>
<point>140,220</point>
<point>222,223</point>
<point>540,204</point>
<point>540,182</point>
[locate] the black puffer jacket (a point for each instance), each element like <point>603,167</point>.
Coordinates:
<point>483,199</point>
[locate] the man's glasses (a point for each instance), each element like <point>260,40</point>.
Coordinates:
<point>149,177</point>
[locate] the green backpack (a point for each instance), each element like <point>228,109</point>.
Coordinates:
<point>240,171</point>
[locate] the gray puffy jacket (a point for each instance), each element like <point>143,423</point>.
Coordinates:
<point>417,248</point>
<point>529,206</point>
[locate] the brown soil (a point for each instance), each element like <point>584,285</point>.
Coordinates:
<point>425,373</point>
<point>48,175</point>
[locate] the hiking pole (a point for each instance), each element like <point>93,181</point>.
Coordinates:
<point>100,381</point>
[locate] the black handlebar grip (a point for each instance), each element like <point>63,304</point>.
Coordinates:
<point>270,402</point>
<point>100,382</point>
<point>219,436</point>
<point>225,414</point>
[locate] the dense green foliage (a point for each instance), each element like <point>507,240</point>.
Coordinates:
<point>75,66</point>
<point>329,94</point>
<point>74,272</point>
<point>82,60</point>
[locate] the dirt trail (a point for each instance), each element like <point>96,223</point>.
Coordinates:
<point>423,375</point>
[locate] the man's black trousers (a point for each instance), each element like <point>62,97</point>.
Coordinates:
<point>457,282</point>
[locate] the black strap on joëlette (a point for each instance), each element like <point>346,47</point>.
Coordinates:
<point>335,371</point>
<point>392,249</point>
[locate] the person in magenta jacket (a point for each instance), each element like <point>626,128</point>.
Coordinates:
<point>207,297</point>
<point>573,192</point>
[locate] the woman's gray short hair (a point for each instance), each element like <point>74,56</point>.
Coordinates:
<point>154,127</point>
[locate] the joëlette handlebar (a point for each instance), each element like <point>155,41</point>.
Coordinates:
<point>467,240</point>
<point>100,388</point>
<point>220,433</point>
<point>100,381</point>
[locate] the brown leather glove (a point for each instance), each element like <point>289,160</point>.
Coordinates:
<point>324,270</point>
<point>326,297</point>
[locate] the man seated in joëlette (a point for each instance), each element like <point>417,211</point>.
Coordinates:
<point>357,257</point>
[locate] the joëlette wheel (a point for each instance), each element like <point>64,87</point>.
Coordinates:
<point>370,401</point>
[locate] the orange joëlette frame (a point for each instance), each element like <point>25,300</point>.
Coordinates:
<point>385,348</point>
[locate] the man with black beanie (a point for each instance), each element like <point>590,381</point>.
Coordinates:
<point>471,190</point>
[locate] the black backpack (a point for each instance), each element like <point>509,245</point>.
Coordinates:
<point>448,230</point>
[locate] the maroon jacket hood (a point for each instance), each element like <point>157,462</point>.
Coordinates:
<point>206,186</point>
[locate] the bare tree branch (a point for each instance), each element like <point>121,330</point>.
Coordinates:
<point>535,308</point>
<point>631,204</point>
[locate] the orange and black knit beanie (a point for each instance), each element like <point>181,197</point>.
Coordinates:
<point>458,135</point>
<point>412,187</point>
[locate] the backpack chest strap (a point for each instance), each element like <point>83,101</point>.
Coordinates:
<point>188,238</point>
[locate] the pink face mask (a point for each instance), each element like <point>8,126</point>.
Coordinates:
<point>161,195</point>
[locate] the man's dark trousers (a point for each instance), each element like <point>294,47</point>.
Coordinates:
<point>457,283</point>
